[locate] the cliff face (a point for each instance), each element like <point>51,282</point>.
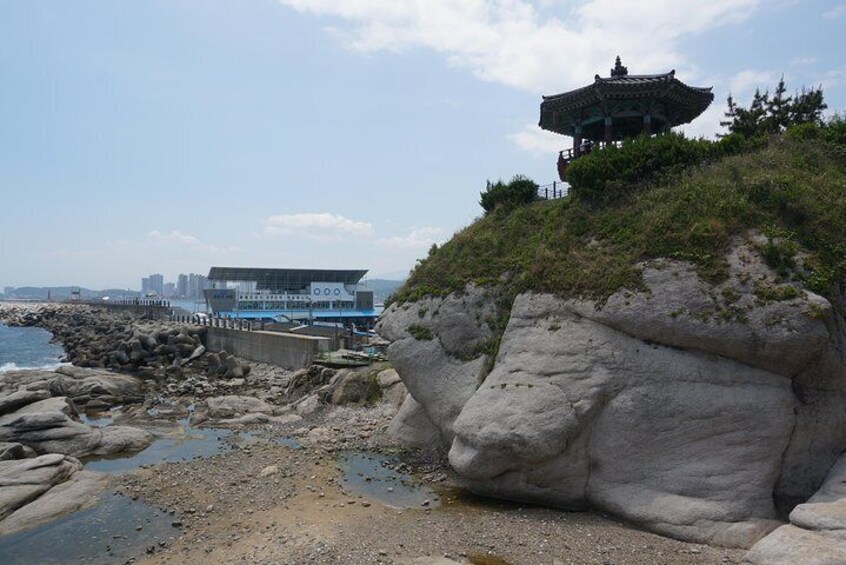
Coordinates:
<point>701,412</point>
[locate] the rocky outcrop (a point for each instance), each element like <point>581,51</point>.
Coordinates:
<point>412,426</point>
<point>816,534</point>
<point>236,410</point>
<point>47,426</point>
<point>38,411</point>
<point>34,491</point>
<point>702,412</point>
<point>439,347</point>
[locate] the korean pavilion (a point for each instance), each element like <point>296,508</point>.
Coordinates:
<point>618,107</point>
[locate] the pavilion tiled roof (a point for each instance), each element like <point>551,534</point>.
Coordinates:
<point>687,101</point>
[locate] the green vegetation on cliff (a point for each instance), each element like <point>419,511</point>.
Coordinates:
<point>791,188</point>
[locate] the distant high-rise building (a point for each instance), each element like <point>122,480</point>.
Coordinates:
<point>182,286</point>
<point>169,290</point>
<point>157,284</point>
<point>8,290</point>
<point>196,285</point>
<point>153,284</point>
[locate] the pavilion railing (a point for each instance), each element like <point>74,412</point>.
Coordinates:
<point>553,190</point>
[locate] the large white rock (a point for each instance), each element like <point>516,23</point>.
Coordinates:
<point>816,534</point>
<point>232,406</point>
<point>698,411</point>
<point>47,426</point>
<point>24,480</point>
<point>441,373</point>
<point>577,413</point>
<point>81,490</point>
<point>412,426</point>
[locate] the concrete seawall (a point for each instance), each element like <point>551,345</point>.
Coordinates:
<point>286,350</point>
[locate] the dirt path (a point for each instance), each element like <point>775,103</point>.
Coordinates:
<point>270,503</point>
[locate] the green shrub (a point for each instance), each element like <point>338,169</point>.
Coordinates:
<point>521,190</point>
<point>802,132</point>
<point>793,191</point>
<point>834,131</point>
<point>775,293</point>
<point>420,333</point>
<point>607,173</point>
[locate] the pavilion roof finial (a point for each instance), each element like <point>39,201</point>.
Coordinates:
<point>619,70</point>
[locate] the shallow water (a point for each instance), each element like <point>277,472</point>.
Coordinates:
<point>28,348</point>
<point>367,474</point>
<point>189,443</point>
<point>107,533</point>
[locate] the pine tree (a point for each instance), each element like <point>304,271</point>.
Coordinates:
<point>808,106</point>
<point>778,110</point>
<point>774,114</point>
<point>730,115</point>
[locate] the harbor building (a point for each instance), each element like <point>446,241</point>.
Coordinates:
<point>304,296</point>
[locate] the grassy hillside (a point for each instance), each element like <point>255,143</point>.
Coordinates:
<point>792,190</point>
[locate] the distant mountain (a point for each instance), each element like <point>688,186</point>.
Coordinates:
<point>64,293</point>
<point>383,288</point>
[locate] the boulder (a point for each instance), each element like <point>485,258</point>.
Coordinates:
<point>81,490</point>
<point>307,405</point>
<point>12,450</point>
<point>816,534</point>
<point>412,426</point>
<point>394,395</point>
<point>83,385</point>
<point>350,387</point>
<point>229,406</point>
<point>441,372</point>
<point>47,426</point>
<point>15,400</point>
<point>700,412</point>
<point>388,378</point>
<point>22,481</point>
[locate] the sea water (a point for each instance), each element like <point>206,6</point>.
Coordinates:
<point>28,348</point>
<point>114,531</point>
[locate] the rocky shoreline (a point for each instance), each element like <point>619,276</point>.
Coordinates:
<point>276,492</point>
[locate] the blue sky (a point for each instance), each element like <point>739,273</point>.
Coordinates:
<point>172,135</point>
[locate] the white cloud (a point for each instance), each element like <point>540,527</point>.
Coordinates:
<point>835,12</point>
<point>540,46</point>
<point>745,82</point>
<point>834,78</point>
<point>416,239</point>
<point>708,123</point>
<point>175,236</point>
<point>802,61</point>
<point>318,225</point>
<point>534,139</point>
<point>175,240</point>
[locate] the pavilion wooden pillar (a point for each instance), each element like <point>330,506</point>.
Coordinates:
<point>647,125</point>
<point>609,132</point>
<point>577,142</point>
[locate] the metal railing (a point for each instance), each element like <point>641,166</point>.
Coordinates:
<point>553,190</point>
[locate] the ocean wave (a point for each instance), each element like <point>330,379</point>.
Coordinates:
<point>6,367</point>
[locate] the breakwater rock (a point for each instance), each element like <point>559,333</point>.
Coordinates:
<point>704,412</point>
<point>125,341</point>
